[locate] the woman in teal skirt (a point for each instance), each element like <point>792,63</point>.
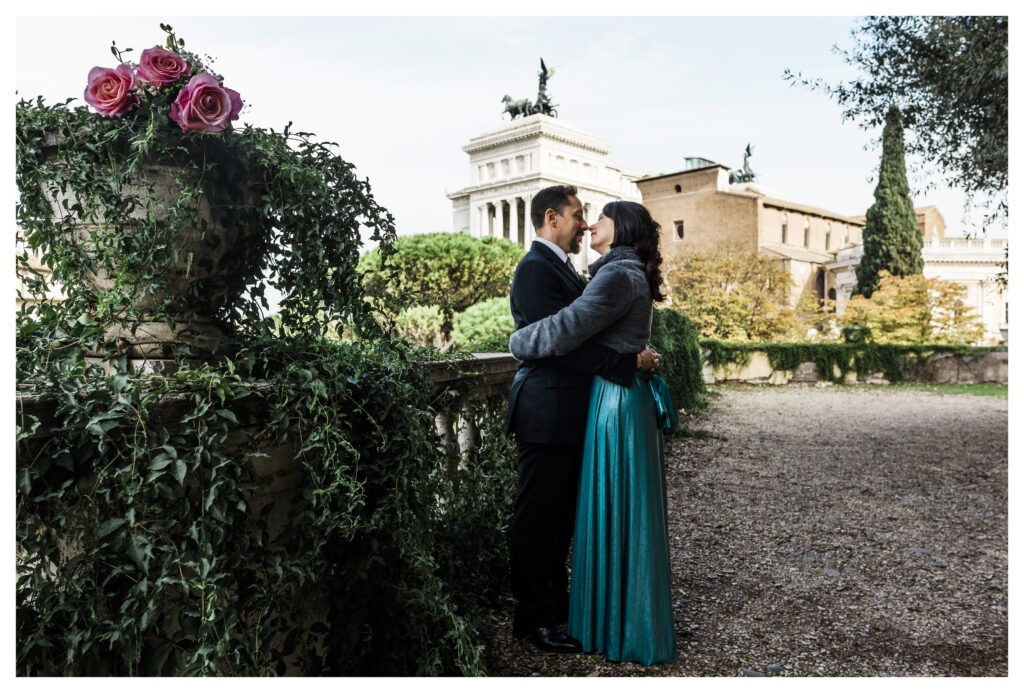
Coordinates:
<point>621,594</point>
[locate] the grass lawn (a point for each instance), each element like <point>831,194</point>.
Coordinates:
<point>987,389</point>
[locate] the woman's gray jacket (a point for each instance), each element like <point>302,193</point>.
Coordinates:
<point>615,310</point>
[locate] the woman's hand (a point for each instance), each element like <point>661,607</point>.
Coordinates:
<point>648,360</point>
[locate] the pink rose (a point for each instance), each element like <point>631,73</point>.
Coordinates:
<point>109,91</point>
<point>160,66</point>
<point>205,105</point>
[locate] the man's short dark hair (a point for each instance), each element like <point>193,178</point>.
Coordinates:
<point>555,197</point>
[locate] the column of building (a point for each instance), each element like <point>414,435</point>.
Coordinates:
<point>512,220</point>
<point>493,218</point>
<point>503,215</point>
<point>530,233</point>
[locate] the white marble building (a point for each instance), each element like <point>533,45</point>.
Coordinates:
<point>509,165</point>
<point>972,262</point>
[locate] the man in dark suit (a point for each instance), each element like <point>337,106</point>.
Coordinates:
<point>547,415</point>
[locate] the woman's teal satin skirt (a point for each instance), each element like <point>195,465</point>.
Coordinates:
<point>620,602</point>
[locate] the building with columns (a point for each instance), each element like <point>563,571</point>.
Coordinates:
<point>509,165</point>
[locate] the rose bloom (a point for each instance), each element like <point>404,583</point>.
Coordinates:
<point>109,90</point>
<point>160,66</point>
<point>205,106</point>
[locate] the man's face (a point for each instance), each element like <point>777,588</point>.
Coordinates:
<point>569,226</point>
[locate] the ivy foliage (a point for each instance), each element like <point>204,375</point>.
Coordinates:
<point>284,507</point>
<point>892,239</point>
<point>837,362</point>
<point>149,547</point>
<point>276,193</point>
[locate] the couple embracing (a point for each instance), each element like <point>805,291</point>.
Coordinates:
<point>587,417</point>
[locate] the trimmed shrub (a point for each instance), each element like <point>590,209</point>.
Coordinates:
<point>486,324</point>
<point>675,337</point>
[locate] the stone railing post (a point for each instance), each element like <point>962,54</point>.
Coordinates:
<point>476,380</point>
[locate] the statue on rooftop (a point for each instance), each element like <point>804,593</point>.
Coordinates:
<point>524,107</point>
<point>746,174</point>
<point>544,104</point>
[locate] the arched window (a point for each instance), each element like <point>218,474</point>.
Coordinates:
<point>680,230</point>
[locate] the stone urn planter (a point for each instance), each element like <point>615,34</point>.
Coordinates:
<point>199,250</point>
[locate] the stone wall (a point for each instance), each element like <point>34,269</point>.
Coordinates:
<point>981,366</point>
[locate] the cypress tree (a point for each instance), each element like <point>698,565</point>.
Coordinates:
<point>892,240</point>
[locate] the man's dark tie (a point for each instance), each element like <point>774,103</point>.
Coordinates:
<point>572,271</point>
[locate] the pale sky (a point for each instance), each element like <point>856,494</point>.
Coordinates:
<point>402,95</point>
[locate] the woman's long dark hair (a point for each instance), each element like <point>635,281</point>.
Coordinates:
<point>635,227</point>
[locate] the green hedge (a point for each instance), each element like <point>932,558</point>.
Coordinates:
<point>483,326</point>
<point>675,337</point>
<point>835,360</point>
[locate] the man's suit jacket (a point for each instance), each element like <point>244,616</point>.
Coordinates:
<point>548,399</point>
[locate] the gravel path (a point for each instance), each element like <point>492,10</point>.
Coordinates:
<point>828,531</point>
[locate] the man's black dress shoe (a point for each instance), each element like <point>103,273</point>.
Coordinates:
<point>553,639</point>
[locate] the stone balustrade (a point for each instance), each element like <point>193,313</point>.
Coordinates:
<point>481,381</point>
